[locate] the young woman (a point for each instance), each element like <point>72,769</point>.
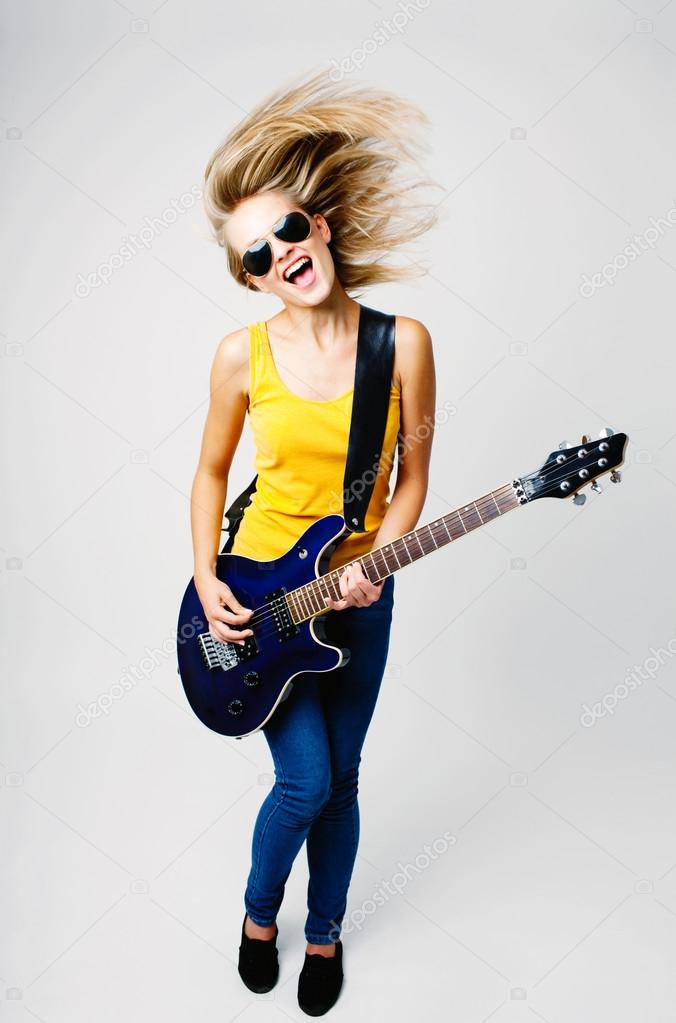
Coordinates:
<point>306,196</point>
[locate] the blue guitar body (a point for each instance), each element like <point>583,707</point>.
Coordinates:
<point>234,689</point>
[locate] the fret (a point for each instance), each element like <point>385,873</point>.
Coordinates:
<point>378,552</point>
<point>478,512</point>
<point>391,551</point>
<point>384,552</point>
<point>449,538</point>
<point>304,601</point>
<point>374,569</point>
<point>297,609</point>
<point>364,566</point>
<point>490,512</point>
<point>505,501</point>
<point>302,614</point>
<point>469,518</point>
<point>495,505</point>
<point>462,530</point>
<point>432,535</point>
<point>316,603</point>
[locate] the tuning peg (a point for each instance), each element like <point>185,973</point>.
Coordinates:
<point>579,499</point>
<point>596,487</point>
<point>606,432</point>
<point>564,444</point>
<point>585,438</point>
<point>616,476</point>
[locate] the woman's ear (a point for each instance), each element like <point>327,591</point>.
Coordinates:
<point>323,228</point>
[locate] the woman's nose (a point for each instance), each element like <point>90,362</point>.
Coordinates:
<point>282,250</point>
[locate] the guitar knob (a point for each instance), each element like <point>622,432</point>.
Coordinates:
<point>616,476</point>
<point>235,707</point>
<point>596,487</point>
<point>606,432</point>
<point>579,499</point>
<point>251,678</point>
<point>564,444</point>
<point>585,438</point>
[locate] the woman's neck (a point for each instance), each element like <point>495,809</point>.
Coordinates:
<point>334,317</point>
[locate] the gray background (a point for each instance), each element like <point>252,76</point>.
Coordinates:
<point>128,833</point>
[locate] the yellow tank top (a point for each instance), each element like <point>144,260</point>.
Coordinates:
<point>301,448</point>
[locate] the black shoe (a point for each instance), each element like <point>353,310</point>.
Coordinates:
<point>258,966</point>
<point>320,981</point>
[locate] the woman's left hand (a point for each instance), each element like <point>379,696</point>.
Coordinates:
<point>357,590</point>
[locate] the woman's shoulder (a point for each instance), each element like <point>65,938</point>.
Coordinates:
<point>410,331</point>
<point>413,349</point>
<point>231,360</point>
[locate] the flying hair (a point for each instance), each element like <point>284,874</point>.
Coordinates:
<point>342,150</point>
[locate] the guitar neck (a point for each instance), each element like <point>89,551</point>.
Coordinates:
<point>307,600</point>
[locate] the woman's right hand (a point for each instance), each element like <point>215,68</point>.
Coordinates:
<point>222,609</point>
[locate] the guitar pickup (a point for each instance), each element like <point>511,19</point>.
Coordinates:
<point>283,623</point>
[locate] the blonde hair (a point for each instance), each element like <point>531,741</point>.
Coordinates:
<point>336,150</point>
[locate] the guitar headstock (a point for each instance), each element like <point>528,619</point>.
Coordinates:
<point>571,468</point>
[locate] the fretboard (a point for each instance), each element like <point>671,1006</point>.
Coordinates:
<point>307,600</point>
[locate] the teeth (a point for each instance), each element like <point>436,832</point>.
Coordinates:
<point>294,266</point>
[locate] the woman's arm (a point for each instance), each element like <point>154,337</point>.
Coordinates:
<point>418,399</point>
<point>228,403</point>
<point>222,430</point>
<point>415,361</point>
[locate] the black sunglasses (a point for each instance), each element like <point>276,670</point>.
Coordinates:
<point>293,227</point>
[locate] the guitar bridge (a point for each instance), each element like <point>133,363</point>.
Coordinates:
<point>225,655</point>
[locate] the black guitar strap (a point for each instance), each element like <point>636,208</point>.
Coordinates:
<point>370,404</point>
<point>373,378</point>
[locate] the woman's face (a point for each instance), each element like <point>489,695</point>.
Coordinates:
<point>253,220</point>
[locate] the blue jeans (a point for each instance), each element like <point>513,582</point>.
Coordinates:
<point>315,738</point>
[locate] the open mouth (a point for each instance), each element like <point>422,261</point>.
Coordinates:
<point>301,273</point>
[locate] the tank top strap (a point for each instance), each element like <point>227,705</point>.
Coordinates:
<point>259,370</point>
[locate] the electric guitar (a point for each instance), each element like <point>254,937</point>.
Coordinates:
<point>234,689</point>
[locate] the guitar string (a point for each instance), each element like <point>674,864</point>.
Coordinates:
<point>264,612</point>
<point>261,614</point>
<point>483,502</point>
